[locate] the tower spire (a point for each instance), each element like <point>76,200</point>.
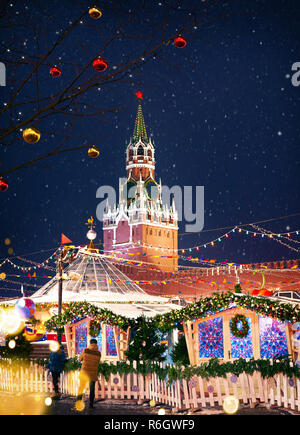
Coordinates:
<point>139,131</point>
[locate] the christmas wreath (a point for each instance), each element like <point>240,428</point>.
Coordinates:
<point>95,328</point>
<point>239,326</point>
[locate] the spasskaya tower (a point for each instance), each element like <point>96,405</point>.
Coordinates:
<point>141,224</point>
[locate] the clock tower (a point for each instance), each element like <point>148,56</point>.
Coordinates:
<point>141,227</point>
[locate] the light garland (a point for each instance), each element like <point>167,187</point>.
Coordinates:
<point>44,264</point>
<point>271,235</point>
<point>185,280</point>
<point>214,242</point>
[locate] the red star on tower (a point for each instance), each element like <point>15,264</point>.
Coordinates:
<point>139,94</point>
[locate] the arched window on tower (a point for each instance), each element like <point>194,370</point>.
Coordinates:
<point>149,153</point>
<point>130,153</point>
<point>140,151</point>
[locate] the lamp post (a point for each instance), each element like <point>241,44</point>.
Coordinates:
<point>60,281</point>
<point>91,234</point>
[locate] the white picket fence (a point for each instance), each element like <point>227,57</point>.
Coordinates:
<point>181,394</point>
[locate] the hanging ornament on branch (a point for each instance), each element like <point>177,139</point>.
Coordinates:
<point>93,152</point>
<point>100,64</point>
<point>95,13</point>
<point>180,42</point>
<point>31,135</point>
<point>55,71</point>
<point>3,184</point>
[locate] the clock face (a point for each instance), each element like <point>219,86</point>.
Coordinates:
<point>130,190</point>
<point>152,189</point>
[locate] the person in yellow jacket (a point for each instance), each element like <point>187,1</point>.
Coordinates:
<point>90,358</point>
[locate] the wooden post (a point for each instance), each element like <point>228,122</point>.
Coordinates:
<point>189,341</point>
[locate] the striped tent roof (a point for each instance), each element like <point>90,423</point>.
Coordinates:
<point>94,279</point>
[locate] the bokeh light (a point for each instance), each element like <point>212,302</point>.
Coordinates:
<point>48,401</point>
<point>230,404</point>
<point>54,346</point>
<point>11,344</point>
<point>10,322</point>
<point>79,405</point>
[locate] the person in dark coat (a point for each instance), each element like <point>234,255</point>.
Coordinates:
<point>55,366</point>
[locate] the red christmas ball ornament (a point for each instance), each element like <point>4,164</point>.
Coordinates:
<point>180,42</point>
<point>3,184</point>
<point>100,64</point>
<point>55,71</point>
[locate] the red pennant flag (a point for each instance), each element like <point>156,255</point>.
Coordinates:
<point>65,239</point>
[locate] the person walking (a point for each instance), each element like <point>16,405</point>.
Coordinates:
<point>90,358</point>
<point>55,366</point>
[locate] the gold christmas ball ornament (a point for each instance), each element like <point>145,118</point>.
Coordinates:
<point>93,152</point>
<point>95,13</point>
<point>152,403</point>
<point>31,135</point>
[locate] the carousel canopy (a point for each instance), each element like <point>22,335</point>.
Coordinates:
<point>93,278</point>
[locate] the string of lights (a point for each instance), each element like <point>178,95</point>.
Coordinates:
<point>242,225</point>
<point>35,266</point>
<point>270,234</point>
<point>215,241</point>
<point>255,232</point>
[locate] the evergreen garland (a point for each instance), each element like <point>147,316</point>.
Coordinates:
<point>76,311</point>
<point>213,368</point>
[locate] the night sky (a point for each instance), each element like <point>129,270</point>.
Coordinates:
<point>222,111</point>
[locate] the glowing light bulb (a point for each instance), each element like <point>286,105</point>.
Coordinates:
<point>91,234</point>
